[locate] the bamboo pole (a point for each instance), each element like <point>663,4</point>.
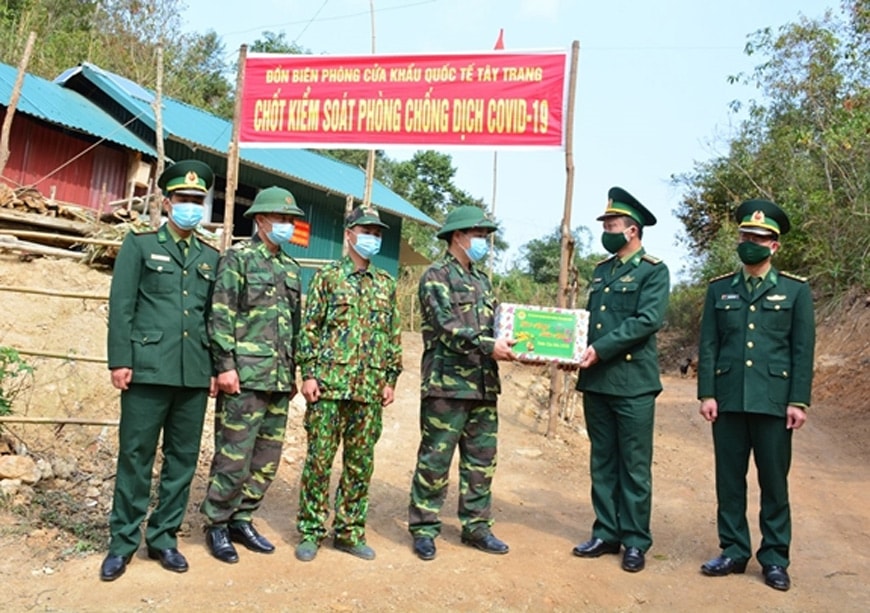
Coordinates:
<point>155,205</point>
<point>233,156</point>
<point>50,292</point>
<point>370,161</point>
<point>567,250</point>
<point>78,421</point>
<point>72,357</point>
<point>13,102</point>
<point>11,243</point>
<point>60,237</point>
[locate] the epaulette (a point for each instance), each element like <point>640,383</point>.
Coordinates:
<point>720,277</point>
<point>791,275</point>
<point>209,245</point>
<point>651,259</point>
<point>142,231</point>
<point>607,259</point>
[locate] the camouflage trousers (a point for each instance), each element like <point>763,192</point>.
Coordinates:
<point>357,426</point>
<point>444,424</point>
<point>248,435</point>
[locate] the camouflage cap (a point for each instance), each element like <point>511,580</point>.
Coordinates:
<point>190,177</point>
<point>275,200</point>
<point>466,218</point>
<point>364,216</point>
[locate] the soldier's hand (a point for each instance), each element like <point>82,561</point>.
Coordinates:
<point>589,357</point>
<point>121,378</point>
<point>709,409</point>
<point>212,387</point>
<point>502,350</point>
<point>311,390</point>
<point>795,417</point>
<point>228,382</point>
<point>389,395</point>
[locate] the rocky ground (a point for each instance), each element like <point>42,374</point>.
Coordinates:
<point>52,521</point>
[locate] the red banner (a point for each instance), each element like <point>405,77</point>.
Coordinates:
<point>489,100</point>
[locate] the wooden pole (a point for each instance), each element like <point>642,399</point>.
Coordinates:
<point>233,156</point>
<point>13,102</point>
<point>17,289</point>
<point>370,162</point>
<point>567,250</point>
<point>62,238</point>
<point>72,357</point>
<point>154,205</point>
<point>78,421</point>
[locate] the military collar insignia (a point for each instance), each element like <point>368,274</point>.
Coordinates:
<point>777,297</point>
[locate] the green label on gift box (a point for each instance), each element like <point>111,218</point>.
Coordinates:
<point>547,334</point>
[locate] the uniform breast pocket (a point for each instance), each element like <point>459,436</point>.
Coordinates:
<point>291,287</point>
<point>776,315</point>
<point>205,281</point>
<point>624,296</point>
<point>259,290</point>
<point>159,277</point>
<point>340,310</point>
<point>730,315</point>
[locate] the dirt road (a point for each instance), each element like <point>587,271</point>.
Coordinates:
<point>541,507</point>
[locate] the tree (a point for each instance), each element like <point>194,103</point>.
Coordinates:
<point>805,145</point>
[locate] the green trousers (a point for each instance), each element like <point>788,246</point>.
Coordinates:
<point>146,411</point>
<point>735,435</point>
<point>248,436</point>
<point>621,439</point>
<point>446,423</point>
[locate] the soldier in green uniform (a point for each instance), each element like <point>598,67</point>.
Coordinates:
<point>350,356</point>
<point>459,388</point>
<point>253,328</point>
<point>755,372</point>
<point>619,378</point>
<point>158,357</point>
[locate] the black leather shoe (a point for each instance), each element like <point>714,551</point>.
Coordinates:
<point>113,567</point>
<point>218,540</point>
<point>594,548</point>
<point>776,577</point>
<point>424,547</point>
<point>485,542</point>
<point>633,560</point>
<point>170,559</point>
<point>247,535</point>
<point>723,565</point>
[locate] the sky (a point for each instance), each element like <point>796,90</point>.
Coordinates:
<point>652,94</point>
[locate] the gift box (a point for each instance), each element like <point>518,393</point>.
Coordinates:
<point>543,334</point>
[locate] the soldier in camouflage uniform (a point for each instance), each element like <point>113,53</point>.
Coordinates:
<point>350,356</point>
<point>459,388</point>
<point>253,331</point>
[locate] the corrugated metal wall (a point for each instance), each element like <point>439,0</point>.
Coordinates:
<point>44,157</point>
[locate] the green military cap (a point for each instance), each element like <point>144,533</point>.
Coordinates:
<point>621,203</point>
<point>275,200</point>
<point>762,217</point>
<point>364,216</point>
<point>190,177</point>
<point>466,218</point>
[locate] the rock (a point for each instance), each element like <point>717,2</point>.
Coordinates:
<point>64,468</point>
<point>9,487</point>
<point>45,471</point>
<point>19,467</point>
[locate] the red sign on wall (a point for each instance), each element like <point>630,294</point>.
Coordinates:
<point>490,100</point>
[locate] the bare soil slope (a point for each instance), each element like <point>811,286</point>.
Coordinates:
<point>541,498</point>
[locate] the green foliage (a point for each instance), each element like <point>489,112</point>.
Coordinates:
<point>805,145</point>
<point>15,374</point>
<point>683,317</point>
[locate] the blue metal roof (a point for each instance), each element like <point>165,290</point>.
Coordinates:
<point>203,130</point>
<point>60,106</point>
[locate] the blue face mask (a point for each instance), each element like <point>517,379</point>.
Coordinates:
<point>186,215</point>
<point>478,249</point>
<point>280,233</point>
<point>367,245</point>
